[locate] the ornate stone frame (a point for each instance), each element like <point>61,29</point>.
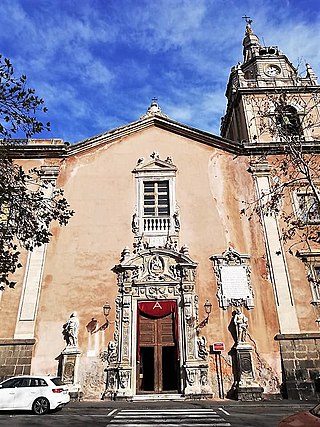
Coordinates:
<point>312,260</point>
<point>231,258</point>
<point>155,169</point>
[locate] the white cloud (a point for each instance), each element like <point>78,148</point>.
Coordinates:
<point>100,63</point>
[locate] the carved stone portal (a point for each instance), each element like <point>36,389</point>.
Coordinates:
<point>156,274</point>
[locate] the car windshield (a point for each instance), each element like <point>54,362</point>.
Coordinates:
<point>57,381</point>
<point>316,411</point>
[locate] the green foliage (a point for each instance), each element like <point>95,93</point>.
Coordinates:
<point>18,104</point>
<point>28,202</point>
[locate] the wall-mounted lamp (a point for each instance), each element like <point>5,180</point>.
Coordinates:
<point>92,325</point>
<point>106,311</point>
<point>191,320</point>
<point>207,307</point>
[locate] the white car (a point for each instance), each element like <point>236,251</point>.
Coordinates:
<point>39,394</point>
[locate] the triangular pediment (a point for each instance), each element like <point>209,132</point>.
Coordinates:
<point>160,122</point>
<point>49,148</point>
<point>155,164</point>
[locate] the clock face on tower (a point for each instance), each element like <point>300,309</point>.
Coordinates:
<point>272,70</point>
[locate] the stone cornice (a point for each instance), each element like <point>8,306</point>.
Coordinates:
<point>243,148</point>
<point>11,341</point>
<point>301,336</point>
<point>162,123</point>
<point>37,151</point>
<point>272,148</point>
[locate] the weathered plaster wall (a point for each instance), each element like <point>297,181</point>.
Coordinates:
<point>100,187</point>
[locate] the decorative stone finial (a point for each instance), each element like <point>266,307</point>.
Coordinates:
<point>154,110</point>
<point>311,74</point>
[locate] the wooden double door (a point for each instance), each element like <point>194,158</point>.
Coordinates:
<point>158,367</point>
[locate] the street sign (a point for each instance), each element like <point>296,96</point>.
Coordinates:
<point>218,346</point>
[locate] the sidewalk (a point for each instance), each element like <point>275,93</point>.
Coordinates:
<point>295,405</point>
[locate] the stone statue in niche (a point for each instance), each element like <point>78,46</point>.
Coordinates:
<point>241,324</point>
<point>70,330</point>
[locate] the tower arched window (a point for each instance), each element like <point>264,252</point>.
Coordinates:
<point>288,121</point>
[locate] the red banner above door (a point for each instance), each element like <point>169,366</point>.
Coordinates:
<point>156,309</point>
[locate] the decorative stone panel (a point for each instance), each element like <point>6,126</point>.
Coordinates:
<point>233,279</point>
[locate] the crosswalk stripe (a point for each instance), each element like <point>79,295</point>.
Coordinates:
<point>168,418</point>
<point>179,423</point>
<point>184,411</point>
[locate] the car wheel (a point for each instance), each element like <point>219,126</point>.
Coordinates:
<point>41,406</point>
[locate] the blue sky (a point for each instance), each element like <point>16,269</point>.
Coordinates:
<point>98,63</point>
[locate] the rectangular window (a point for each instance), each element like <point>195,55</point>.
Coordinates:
<point>156,198</point>
<point>309,209</point>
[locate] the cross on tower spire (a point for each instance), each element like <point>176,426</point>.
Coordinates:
<point>248,26</point>
<point>248,19</point>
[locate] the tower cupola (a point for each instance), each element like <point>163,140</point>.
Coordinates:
<point>265,74</point>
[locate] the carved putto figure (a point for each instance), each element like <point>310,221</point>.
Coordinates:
<point>202,351</point>
<point>135,223</point>
<point>241,324</point>
<point>155,155</point>
<point>176,218</point>
<point>70,330</point>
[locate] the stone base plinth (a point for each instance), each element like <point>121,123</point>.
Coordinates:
<point>69,365</point>
<point>248,393</point>
<point>246,387</point>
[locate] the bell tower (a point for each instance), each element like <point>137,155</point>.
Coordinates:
<point>267,98</point>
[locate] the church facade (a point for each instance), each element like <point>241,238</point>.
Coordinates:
<point>159,288</point>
